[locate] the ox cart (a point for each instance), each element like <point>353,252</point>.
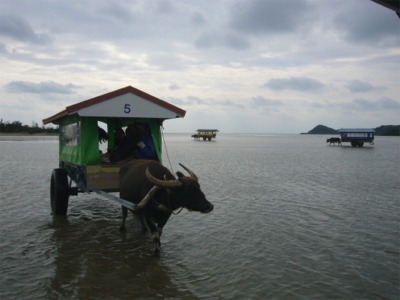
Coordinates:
<point>357,136</point>
<point>205,134</point>
<point>83,165</point>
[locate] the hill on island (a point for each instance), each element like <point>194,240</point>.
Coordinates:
<point>321,129</point>
<point>383,130</point>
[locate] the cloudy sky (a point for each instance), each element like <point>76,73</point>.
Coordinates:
<point>271,66</point>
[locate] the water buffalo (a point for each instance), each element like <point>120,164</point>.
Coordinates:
<point>334,140</point>
<point>159,193</point>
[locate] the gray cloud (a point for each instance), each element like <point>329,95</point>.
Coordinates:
<point>3,48</point>
<point>272,16</point>
<point>19,29</point>
<point>368,23</point>
<point>228,40</point>
<point>357,86</point>
<point>260,101</point>
<point>165,6</point>
<point>174,86</point>
<point>40,88</point>
<point>167,61</point>
<point>294,83</point>
<point>389,103</point>
<point>384,103</point>
<point>197,18</point>
<point>118,11</point>
<point>193,100</point>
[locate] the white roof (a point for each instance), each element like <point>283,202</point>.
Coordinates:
<point>127,102</point>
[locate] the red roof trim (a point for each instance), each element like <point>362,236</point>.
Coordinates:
<point>129,89</point>
<point>57,116</point>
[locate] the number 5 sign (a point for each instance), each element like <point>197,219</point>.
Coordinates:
<point>127,108</point>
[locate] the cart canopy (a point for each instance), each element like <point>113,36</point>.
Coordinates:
<point>127,102</point>
<point>79,123</point>
<point>356,130</point>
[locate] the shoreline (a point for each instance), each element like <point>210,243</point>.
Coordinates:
<point>27,134</point>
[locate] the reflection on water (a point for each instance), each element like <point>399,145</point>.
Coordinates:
<point>112,264</point>
<point>293,219</point>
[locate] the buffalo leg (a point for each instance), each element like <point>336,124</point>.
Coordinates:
<point>155,235</point>
<point>124,215</point>
<point>162,223</point>
<point>158,232</point>
<point>142,221</point>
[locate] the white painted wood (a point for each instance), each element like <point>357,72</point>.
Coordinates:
<point>127,106</point>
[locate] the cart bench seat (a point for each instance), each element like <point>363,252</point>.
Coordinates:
<point>104,177</point>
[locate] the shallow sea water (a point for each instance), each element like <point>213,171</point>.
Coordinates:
<point>294,218</point>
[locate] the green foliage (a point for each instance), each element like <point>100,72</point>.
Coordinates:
<point>388,130</point>
<point>18,127</point>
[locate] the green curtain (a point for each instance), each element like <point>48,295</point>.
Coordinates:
<point>73,148</point>
<point>69,139</point>
<point>89,146</point>
<point>155,125</point>
<point>85,151</point>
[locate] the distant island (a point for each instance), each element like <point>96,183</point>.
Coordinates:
<point>383,130</point>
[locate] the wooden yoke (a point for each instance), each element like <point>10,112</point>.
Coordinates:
<point>148,196</point>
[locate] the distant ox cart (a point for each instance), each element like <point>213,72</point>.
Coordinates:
<point>356,136</point>
<point>129,120</point>
<point>205,134</point>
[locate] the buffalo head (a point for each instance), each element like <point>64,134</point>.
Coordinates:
<point>186,190</point>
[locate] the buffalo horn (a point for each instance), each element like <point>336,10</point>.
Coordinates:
<point>161,183</point>
<point>191,173</point>
<point>148,196</point>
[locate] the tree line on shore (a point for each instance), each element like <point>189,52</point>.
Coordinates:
<point>18,127</point>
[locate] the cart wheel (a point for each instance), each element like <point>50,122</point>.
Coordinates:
<point>59,192</point>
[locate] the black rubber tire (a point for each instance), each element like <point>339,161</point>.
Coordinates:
<point>59,192</point>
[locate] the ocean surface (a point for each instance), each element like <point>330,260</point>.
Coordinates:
<point>294,218</point>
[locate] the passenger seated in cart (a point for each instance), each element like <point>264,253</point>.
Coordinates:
<point>103,136</point>
<point>146,145</point>
<point>137,143</point>
<point>119,136</point>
